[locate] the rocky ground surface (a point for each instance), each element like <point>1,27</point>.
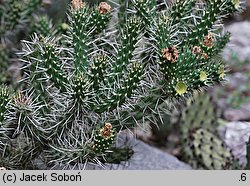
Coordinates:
<point>146,157</point>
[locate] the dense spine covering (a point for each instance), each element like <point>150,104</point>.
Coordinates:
<point>74,84</point>
<point>31,6</point>
<point>42,26</point>
<point>15,13</point>
<point>53,69</point>
<point>103,139</point>
<point>185,66</point>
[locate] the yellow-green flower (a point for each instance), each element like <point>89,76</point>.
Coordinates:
<point>203,76</point>
<point>181,88</point>
<point>236,4</point>
<point>65,26</point>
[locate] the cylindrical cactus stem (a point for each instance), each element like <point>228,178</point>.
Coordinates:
<point>128,44</point>
<point>104,139</point>
<point>212,13</point>
<point>31,6</point>
<point>98,71</point>
<point>123,93</point>
<point>53,69</point>
<point>86,24</point>
<point>43,26</point>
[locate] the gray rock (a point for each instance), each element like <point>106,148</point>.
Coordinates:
<point>241,114</point>
<point>239,42</point>
<point>236,135</point>
<point>147,157</point>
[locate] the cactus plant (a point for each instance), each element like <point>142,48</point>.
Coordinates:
<point>210,150</point>
<point>201,146</point>
<point>182,54</point>
<point>199,112</point>
<point>77,94</point>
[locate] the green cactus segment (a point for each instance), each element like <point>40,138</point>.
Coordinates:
<point>123,93</point>
<point>181,9</point>
<point>43,26</point>
<point>210,150</point>
<point>102,144</point>
<point>98,22</point>
<point>4,99</point>
<point>38,80</point>
<point>198,113</point>
<point>80,88</point>
<point>80,41</point>
<point>163,32</point>
<point>79,34</point>
<point>129,40</point>
<point>85,25</point>
<point>31,6</point>
<point>98,70</point>
<point>104,139</point>
<point>212,14</point>
<point>13,14</point>
<point>4,61</point>
<point>146,9</point>
<point>54,70</point>
<point>200,145</point>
